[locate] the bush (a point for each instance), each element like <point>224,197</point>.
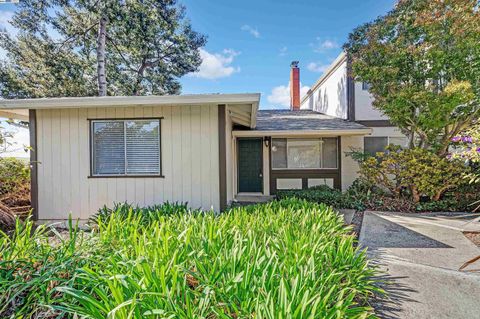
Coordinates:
<point>14,174</point>
<point>413,172</point>
<point>322,194</point>
<point>288,258</point>
<point>146,215</point>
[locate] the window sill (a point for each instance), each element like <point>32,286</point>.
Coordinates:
<point>125,176</point>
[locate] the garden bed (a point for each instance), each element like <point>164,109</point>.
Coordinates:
<point>285,258</point>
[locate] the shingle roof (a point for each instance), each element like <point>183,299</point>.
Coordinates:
<point>303,120</point>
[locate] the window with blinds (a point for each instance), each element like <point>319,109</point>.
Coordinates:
<point>125,147</point>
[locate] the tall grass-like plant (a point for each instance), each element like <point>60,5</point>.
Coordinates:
<point>285,259</point>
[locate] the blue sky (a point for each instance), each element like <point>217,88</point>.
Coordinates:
<point>251,43</point>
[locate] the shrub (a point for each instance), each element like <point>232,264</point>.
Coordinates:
<point>146,215</point>
<point>14,174</point>
<point>322,194</point>
<point>417,172</point>
<point>288,258</point>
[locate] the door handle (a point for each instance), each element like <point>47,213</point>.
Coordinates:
<point>260,175</point>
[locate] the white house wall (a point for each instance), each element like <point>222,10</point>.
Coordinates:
<point>364,110</point>
<point>190,161</point>
<point>349,166</point>
<point>330,97</point>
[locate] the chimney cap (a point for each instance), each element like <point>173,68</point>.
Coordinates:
<point>294,64</point>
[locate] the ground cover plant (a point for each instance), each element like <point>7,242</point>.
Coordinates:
<point>285,259</point>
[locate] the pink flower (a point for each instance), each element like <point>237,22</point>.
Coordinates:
<point>456,139</point>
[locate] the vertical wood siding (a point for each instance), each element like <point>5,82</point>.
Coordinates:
<point>189,161</point>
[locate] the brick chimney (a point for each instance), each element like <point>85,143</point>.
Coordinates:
<point>294,86</point>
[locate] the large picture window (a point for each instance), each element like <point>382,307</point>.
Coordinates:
<point>125,147</point>
<point>315,153</point>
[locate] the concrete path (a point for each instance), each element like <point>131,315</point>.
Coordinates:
<point>420,255</point>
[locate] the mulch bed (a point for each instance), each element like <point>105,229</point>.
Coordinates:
<point>474,237</point>
<point>357,222</point>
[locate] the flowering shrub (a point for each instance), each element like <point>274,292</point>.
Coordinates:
<point>414,173</point>
<point>466,147</point>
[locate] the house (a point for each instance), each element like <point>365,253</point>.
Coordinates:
<point>208,150</point>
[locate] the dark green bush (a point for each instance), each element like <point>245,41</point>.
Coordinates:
<point>319,194</point>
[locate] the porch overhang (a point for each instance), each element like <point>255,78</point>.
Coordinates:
<point>15,114</point>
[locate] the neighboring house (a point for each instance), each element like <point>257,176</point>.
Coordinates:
<point>207,150</point>
<point>336,93</point>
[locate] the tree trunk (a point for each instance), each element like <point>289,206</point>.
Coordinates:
<point>101,73</point>
<point>415,194</point>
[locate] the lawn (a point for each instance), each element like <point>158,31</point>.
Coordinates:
<point>285,259</point>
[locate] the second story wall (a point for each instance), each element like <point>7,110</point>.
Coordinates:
<point>364,110</point>
<point>329,94</point>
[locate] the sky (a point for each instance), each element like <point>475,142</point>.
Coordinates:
<point>251,43</point>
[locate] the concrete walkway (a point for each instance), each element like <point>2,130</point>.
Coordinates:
<point>420,255</point>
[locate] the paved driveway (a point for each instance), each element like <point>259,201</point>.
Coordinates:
<point>420,255</point>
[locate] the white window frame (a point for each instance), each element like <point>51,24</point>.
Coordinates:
<point>91,139</point>
<point>321,151</point>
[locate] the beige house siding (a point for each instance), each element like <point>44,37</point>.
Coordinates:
<point>348,165</point>
<point>189,150</point>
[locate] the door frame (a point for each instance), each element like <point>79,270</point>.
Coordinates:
<point>261,140</point>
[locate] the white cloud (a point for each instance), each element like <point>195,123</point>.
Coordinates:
<point>253,31</point>
<point>317,67</point>
<point>322,45</point>
<point>216,65</point>
<point>283,51</point>
<point>280,95</point>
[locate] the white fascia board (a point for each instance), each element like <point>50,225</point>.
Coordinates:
<point>356,132</point>
<point>125,101</point>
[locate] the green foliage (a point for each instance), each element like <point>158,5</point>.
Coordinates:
<point>149,45</point>
<point>14,174</point>
<point>421,172</point>
<point>146,214</point>
<point>422,61</point>
<point>289,259</point>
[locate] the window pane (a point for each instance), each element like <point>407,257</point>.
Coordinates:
<point>279,153</point>
<point>330,152</point>
<point>108,148</point>
<point>303,153</point>
<point>372,145</point>
<point>143,146</point>
<point>400,141</point>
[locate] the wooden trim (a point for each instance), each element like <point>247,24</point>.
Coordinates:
<point>350,90</point>
<point>90,141</point>
<point>32,116</point>
<point>376,123</point>
<point>222,156</point>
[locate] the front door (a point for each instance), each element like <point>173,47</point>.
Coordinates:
<point>250,165</point>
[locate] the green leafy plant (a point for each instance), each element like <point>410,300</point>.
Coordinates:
<point>14,174</point>
<point>413,172</point>
<point>288,258</point>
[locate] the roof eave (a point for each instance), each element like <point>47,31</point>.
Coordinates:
<point>124,101</point>
<point>349,132</point>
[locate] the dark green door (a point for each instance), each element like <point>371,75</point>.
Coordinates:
<point>250,165</point>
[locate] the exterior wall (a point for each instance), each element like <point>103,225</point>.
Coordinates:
<point>390,131</point>
<point>349,166</point>
<point>189,150</point>
<point>364,111</point>
<point>330,97</point>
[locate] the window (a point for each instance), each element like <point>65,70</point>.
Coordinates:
<point>125,147</point>
<point>304,153</point>
<point>365,86</point>
<point>375,144</point>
